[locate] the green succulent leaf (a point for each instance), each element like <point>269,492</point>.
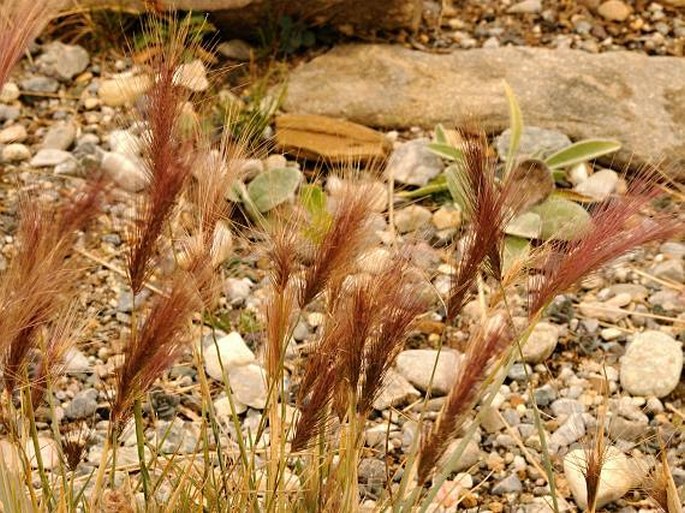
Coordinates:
<point>581,151</point>
<point>527,225</point>
<point>440,135</point>
<point>314,201</point>
<point>456,186</point>
<point>273,187</point>
<point>561,219</point>
<point>515,248</point>
<point>446,151</point>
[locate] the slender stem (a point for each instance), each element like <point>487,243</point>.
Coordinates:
<point>102,468</point>
<point>140,443</point>
<point>33,433</point>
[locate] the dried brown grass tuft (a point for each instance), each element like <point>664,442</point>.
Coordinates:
<point>20,22</point>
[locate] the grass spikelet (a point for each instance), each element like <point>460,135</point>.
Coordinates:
<point>616,227</point>
<point>20,22</point>
<point>341,243</point>
<point>485,347</point>
<point>165,153</point>
<point>155,345</point>
<point>41,275</point>
<point>489,207</point>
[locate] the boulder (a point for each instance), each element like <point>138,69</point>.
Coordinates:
<point>633,98</point>
<point>244,17</point>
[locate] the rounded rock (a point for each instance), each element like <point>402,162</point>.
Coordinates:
<point>614,10</point>
<point>651,365</point>
<point>15,153</point>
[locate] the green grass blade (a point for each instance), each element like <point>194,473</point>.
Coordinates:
<point>581,151</point>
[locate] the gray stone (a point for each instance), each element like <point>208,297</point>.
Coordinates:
<point>510,484</point>
<point>412,163</point>
<point>15,152</point>
<point>176,437</point>
<point>416,365</point>
<point>192,76</point>
<point>83,405</point>
<point>519,371</point>
<point>60,136</point>
<point>39,84</point>
<point>75,361</point>
<point>545,394</point>
<point>228,351</point>
<point>570,431</point>
<point>236,49</point>
<point>651,365</point>
<point>591,95</point>
<point>49,453</point>
<point>600,185</point>
<point>468,458</point>
<point>49,158</point>
<point>9,112</point>
<point>125,172</point>
<point>541,342</point>
<point>674,249</point>
<point>395,391</point>
<point>372,475</point>
<point>534,140</point>
<point>248,383</point>
<point>237,289</point>
<point>62,61</point>
<point>412,218</point>
<point>670,270</point>
<point>567,407</point>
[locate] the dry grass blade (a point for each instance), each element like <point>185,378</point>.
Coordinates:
<point>616,228</point>
<point>485,347</point>
<point>156,344</point>
<point>20,22</point>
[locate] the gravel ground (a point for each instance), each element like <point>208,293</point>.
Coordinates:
<point>57,125</point>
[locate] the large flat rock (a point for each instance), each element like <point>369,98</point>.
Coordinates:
<point>636,99</point>
<point>248,17</point>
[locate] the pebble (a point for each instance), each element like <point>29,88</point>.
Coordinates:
<point>670,270</point>
<point>510,484</point>
<point>600,185</point>
<point>570,431</point>
<point>49,453</point>
<point>412,218</point>
<point>618,476</point>
<point>125,142</point>
<point>9,92</point>
<point>75,361</point>
<point>545,394</point>
<point>222,409</point>
<point>40,84</point>
<point>519,371</point>
<point>607,310</point>
<point>125,172</point>
<point>123,89</point>
<point>470,457</point>
<point>237,289</point>
<point>614,10</point>
<point>673,249</point>
<point>447,217</point>
<point>236,49</point>
<point>60,136</point>
<point>192,75</point>
<point>412,163</point>
<point>13,134</point>
<point>9,112</point>
<point>541,342</point>
<point>416,365</point>
<point>15,152</point>
<point>652,364</point>
<point>526,7</point>
<point>248,383</point>
<point>63,61</point>
<point>566,407</point>
<point>83,405</point>
<point>396,390</point>
<point>610,334</point>
<point>49,157</point>
<point>229,350</point>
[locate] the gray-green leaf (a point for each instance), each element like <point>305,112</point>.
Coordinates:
<point>581,151</point>
<point>527,225</point>
<point>446,151</point>
<point>273,187</point>
<point>562,219</point>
